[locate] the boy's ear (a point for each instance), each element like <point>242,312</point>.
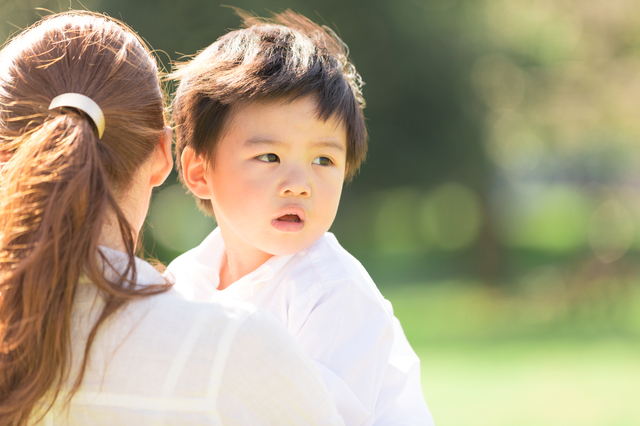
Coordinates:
<point>163,159</point>
<point>194,174</point>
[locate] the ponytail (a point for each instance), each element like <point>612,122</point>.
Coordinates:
<point>54,197</point>
<point>57,186</point>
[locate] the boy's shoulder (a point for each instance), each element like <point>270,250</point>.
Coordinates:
<point>326,274</point>
<point>211,247</point>
<point>325,259</point>
<point>197,270</point>
<point>326,264</point>
<point>332,262</point>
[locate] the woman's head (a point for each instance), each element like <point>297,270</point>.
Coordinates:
<point>60,185</point>
<point>96,57</point>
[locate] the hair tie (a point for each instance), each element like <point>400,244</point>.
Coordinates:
<point>84,104</point>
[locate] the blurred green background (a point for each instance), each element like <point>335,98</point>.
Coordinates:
<point>499,209</point>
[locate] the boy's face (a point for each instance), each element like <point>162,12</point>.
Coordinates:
<point>277,176</point>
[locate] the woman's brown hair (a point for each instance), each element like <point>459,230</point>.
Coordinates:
<point>58,186</point>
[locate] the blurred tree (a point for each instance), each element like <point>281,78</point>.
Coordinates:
<point>423,118</point>
<point>505,100</point>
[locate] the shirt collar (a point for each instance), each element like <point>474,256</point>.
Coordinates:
<point>213,253</point>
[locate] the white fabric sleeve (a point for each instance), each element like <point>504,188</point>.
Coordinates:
<point>401,400</point>
<point>350,335</point>
<point>191,279</point>
<point>268,380</point>
<point>367,365</point>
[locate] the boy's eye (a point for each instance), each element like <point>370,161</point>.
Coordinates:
<point>323,161</point>
<point>268,158</point>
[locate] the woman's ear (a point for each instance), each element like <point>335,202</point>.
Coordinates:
<point>194,173</point>
<point>163,159</point>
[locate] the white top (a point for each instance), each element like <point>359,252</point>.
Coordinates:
<point>162,360</point>
<point>328,302</point>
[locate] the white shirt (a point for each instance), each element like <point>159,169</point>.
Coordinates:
<point>328,302</point>
<point>162,360</point>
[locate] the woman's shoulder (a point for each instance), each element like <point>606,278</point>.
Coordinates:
<point>165,352</point>
<point>168,310</point>
<point>174,316</point>
<point>160,342</point>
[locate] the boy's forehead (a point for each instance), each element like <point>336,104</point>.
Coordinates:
<point>261,104</point>
<point>282,114</point>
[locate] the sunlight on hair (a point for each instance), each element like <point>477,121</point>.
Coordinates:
<point>178,224</point>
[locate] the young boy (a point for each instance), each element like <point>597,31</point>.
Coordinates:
<point>269,125</point>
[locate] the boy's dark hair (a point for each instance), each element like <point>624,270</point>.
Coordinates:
<point>284,57</point>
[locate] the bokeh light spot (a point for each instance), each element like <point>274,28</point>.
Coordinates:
<point>450,217</point>
<point>178,224</point>
<point>499,82</point>
<point>395,220</point>
<point>611,231</point>
<point>513,145</point>
<point>550,218</point>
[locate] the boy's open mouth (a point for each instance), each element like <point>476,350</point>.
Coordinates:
<point>289,218</point>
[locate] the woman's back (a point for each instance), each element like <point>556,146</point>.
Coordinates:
<point>165,360</point>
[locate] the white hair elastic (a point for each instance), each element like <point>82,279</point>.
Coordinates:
<point>83,103</point>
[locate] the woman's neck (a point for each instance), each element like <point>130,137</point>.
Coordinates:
<point>134,204</point>
<point>111,236</point>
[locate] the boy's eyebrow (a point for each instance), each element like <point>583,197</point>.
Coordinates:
<point>258,140</point>
<point>330,143</point>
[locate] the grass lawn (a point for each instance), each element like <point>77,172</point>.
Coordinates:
<point>490,360</point>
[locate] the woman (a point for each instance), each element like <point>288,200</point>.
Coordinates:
<point>90,334</point>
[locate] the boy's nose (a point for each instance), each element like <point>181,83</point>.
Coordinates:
<point>295,184</point>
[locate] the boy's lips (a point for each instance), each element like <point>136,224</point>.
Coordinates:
<point>289,219</point>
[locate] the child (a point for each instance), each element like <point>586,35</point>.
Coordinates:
<point>269,125</point>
